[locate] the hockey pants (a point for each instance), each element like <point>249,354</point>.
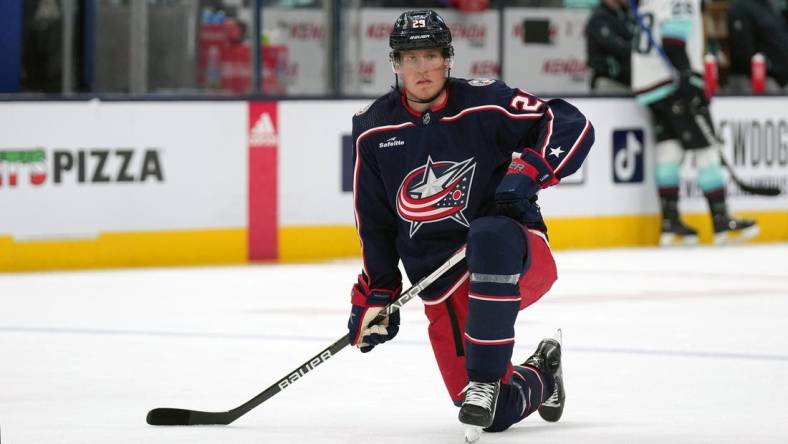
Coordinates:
<point>523,388</point>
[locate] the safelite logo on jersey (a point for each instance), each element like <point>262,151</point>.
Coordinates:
<point>391,142</point>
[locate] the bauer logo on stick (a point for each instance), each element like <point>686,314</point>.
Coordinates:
<point>325,356</point>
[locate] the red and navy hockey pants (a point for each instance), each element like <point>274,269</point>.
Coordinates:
<point>447,314</point>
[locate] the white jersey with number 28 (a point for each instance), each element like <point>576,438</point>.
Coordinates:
<point>678,19</point>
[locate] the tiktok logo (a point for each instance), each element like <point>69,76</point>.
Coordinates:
<point>628,156</point>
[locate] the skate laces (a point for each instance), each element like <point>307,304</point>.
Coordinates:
<point>552,401</point>
<point>480,393</point>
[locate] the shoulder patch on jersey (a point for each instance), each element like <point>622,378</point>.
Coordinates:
<point>481,82</point>
<point>364,109</point>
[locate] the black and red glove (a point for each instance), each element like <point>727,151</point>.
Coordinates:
<point>527,174</point>
<point>367,304</point>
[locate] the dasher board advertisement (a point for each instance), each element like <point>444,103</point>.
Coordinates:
<point>544,50</point>
<point>74,170</point>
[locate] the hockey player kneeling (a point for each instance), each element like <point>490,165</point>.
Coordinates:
<point>442,162</point>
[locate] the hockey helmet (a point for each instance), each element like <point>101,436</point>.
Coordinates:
<point>420,29</point>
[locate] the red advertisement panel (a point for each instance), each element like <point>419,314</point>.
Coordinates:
<point>263,137</point>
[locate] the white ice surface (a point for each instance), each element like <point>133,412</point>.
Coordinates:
<point>660,345</point>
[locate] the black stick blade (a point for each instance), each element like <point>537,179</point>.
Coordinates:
<point>167,416</point>
<point>174,417</point>
<point>760,190</point>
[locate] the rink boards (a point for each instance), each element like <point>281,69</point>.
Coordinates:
<point>107,184</point>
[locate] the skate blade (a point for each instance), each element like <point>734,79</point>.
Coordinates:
<point>559,336</point>
<point>736,237</point>
<point>675,240</point>
<point>472,434</point>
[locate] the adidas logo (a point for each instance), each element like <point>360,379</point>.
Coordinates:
<point>263,132</point>
<point>391,143</point>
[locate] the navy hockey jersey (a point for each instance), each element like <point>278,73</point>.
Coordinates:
<point>421,178</point>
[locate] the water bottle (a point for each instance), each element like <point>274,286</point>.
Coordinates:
<point>213,74</point>
<point>710,75</point>
<point>758,73</point>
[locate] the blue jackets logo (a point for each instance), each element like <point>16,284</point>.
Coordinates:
<point>628,150</point>
<point>434,192</point>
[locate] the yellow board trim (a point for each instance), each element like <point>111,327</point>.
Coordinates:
<point>310,243</point>
<point>644,230</point>
<point>304,243</point>
<point>314,243</point>
<point>132,249</point>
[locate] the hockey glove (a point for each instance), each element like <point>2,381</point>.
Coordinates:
<point>690,87</point>
<point>527,174</point>
<point>367,304</point>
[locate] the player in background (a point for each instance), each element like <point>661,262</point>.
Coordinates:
<point>609,47</point>
<point>667,60</point>
<point>442,162</point>
<point>758,28</point>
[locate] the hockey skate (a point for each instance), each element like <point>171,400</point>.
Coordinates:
<point>728,229</point>
<point>478,409</point>
<point>674,232</point>
<point>547,358</point>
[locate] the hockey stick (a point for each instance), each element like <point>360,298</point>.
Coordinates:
<point>759,190</point>
<point>172,416</point>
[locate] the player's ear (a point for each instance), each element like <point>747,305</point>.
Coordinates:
<point>448,57</point>
<point>395,59</point>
